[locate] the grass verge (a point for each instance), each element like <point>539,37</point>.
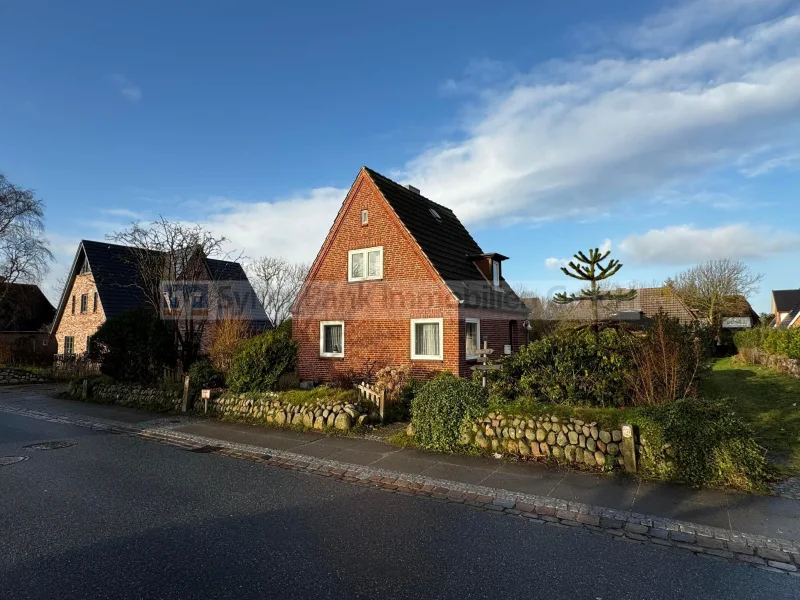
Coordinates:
<point>769,401</point>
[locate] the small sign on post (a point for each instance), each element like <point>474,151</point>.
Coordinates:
<point>206,396</point>
<point>483,359</point>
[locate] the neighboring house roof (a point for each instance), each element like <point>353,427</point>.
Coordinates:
<point>785,300</point>
<point>23,307</point>
<point>790,318</point>
<point>648,301</point>
<point>118,283</point>
<point>448,245</point>
<point>738,313</point>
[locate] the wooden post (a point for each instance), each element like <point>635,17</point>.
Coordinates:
<point>85,389</point>
<point>185,404</point>
<point>382,403</point>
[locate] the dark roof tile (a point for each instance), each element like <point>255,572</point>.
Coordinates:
<point>448,245</point>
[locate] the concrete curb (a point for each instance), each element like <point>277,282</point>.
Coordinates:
<point>773,554</point>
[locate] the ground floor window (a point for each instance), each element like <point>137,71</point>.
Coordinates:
<point>331,339</point>
<point>69,345</point>
<point>472,335</point>
<point>427,339</point>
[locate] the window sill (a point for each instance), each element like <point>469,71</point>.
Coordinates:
<point>365,279</point>
<point>334,356</point>
<point>428,358</point>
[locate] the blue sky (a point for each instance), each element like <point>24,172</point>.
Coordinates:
<point>668,131</point>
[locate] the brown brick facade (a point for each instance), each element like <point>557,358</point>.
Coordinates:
<point>79,324</point>
<point>377,314</point>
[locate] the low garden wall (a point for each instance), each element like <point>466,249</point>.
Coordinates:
<point>274,408</point>
<point>126,394</point>
<point>565,440</point>
<point>782,364</point>
<point>12,376</point>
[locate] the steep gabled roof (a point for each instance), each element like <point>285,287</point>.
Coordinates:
<point>23,307</point>
<point>448,246</point>
<point>648,301</point>
<point>119,284</point>
<point>790,318</point>
<point>785,300</point>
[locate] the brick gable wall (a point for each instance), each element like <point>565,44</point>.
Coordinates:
<point>79,325</point>
<point>377,314</point>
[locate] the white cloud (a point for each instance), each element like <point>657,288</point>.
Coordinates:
<point>293,228</point>
<point>677,24</point>
<point>788,162</point>
<point>127,88</point>
<point>576,139</point>
<point>555,263</point>
<point>686,244</point>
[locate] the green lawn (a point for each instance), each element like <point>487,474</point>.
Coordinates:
<point>770,401</point>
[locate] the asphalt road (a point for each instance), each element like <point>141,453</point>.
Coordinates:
<point>120,517</point>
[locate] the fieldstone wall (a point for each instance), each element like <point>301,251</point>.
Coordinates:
<point>132,395</point>
<point>13,376</point>
<point>565,440</point>
<point>782,364</point>
<point>273,408</point>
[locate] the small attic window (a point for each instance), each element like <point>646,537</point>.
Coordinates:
<point>85,267</point>
<point>364,217</point>
<point>435,214</point>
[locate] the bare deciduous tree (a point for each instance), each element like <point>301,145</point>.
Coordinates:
<point>277,282</point>
<point>24,252</point>
<point>712,287</point>
<point>169,257</point>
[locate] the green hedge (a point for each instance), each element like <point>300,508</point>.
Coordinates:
<point>773,341</point>
<point>202,374</point>
<point>569,368</point>
<point>442,407</point>
<point>260,361</point>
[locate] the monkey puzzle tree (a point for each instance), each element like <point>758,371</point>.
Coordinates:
<point>590,269</point>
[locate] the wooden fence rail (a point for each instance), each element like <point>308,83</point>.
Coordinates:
<point>370,393</point>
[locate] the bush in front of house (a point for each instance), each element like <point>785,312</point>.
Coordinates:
<point>667,361</point>
<point>568,368</point>
<point>442,407</point>
<point>133,346</point>
<point>707,444</point>
<point>203,375</point>
<point>260,362</point>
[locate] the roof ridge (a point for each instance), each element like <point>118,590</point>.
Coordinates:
<point>400,185</point>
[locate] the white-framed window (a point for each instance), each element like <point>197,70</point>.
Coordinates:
<point>427,339</point>
<point>84,303</point>
<point>472,336</point>
<point>331,339</point>
<point>69,345</point>
<point>365,264</point>
<point>364,217</point>
<point>496,273</point>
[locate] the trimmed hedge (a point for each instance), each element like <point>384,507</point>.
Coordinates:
<point>202,374</point>
<point>785,342</point>
<point>260,361</point>
<point>442,407</point>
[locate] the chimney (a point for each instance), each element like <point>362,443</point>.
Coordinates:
<point>413,189</point>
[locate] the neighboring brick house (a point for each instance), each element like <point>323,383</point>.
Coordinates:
<point>647,303</point>
<point>25,319</point>
<point>104,282</point>
<point>400,281</point>
<point>786,308</point>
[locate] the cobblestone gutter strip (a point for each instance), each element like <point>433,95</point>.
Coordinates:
<point>772,554</point>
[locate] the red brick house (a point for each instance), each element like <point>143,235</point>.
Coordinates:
<point>400,281</point>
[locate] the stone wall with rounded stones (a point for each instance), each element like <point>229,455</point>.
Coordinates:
<point>272,408</point>
<point>13,376</point>
<point>129,395</point>
<point>564,440</point>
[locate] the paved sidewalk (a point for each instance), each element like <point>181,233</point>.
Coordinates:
<point>771,517</point>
